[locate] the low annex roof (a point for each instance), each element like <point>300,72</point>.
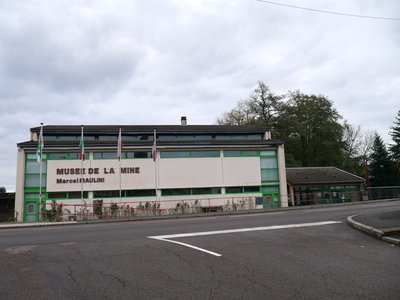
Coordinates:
<point>320,175</point>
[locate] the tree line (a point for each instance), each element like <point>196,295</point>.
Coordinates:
<point>315,134</point>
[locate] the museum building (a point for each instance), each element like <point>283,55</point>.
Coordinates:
<point>211,165</point>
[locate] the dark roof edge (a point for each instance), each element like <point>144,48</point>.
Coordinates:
<point>76,129</point>
<point>328,167</point>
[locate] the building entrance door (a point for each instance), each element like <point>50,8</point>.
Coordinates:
<point>31,211</point>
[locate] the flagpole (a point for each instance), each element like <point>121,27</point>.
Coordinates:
<point>40,170</point>
<point>154,154</point>
<point>82,156</point>
<point>119,159</point>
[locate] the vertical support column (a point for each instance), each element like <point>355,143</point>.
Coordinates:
<point>19,188</point>
<point>282,176</point>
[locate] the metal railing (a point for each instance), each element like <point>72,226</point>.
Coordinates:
<point>58,211</point>
<point>384,192</point>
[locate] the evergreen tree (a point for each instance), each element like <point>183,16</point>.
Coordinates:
<point>395,148</point>
<point>383,170</point>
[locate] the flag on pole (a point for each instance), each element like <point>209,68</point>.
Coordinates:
<point>82,146</point>
<point>154,150</point>
<point>119,150</point>
<point>40,145</point>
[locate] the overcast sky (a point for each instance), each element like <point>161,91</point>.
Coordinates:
<point>150,62</point>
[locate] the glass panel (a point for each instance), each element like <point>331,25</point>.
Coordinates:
<point>203,191</point>
<point>233,190</point>
<point>167,137</point>
<point>108,137</point>
<point>31,156</point>
<point>109,155</point>
<point>57,195</point>
<point>76,155</point>
<point>231,137</point>
<point>106,194</point>
<point>270,189</point>
<point>50,138</point>
<point>130,137</point>
<point>202,137</point>
<point>269,163</point>
<point>249,153</point>
<point>33,167</point>
<point>143,154</point>
<point>34,180</point>
<point>32,195</point>
<point>140,193</point>
<point>175,154</point>
<point>254,136</point>
<point>97,155</point>
<point>69,138</point>
<point>269,175</point>
<point>231,153</point>
<point>58,156</point>
<point>204,154</point>
<point>77,195</point>
<point>268,153</point>
<point>251,189</point>
<point>171,192</point>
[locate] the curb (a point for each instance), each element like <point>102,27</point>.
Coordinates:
<point>379,234</point>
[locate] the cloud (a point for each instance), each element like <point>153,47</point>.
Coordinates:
<point>144,62</point>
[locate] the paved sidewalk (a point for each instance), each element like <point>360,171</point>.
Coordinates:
<point>382,225</point>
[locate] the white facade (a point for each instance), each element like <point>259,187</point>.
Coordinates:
<point>94,176</point>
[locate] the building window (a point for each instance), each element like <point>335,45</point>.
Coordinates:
<point>233,190</point>
<point>63,155</point>
<point>57,195</point>
<point>188,154</point>
<point>175,154</point>
<point>77,195</point>
<point>137,154</point>
<point>269,175</point>
<point>33,167</point>
<point>33,180</point>
<point>251,189</point>
<point>268,153</point>
<point>206,191</point>
<point>105,194</point>
<point>105,155</point>
<point>140,193</point>
<point>175,192</point>
<point>204,154</point>
<point>240,153</point>
<point>242,189</point>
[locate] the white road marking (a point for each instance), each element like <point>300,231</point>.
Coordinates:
<point>186,245</point>
<point>167,238</point>
<point>257,215</point>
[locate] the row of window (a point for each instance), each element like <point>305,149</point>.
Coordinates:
<point>149,193</point>
<point>31,158</point>
<point>150,137</point>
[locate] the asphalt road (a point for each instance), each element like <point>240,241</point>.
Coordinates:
<point>256,261</point>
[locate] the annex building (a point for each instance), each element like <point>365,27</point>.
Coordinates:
<point>209,167</point>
